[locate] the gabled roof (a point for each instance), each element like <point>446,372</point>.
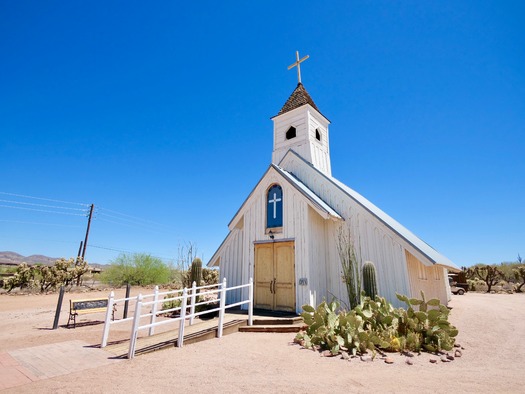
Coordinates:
<point>298,98</point>
<point>320,206</point>
<point>315,201</point>
<point>433,255</point>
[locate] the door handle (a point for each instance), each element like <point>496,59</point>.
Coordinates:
<point>272,286</point>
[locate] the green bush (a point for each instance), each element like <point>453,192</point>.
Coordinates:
<point>137,269</point>
<point>377,325</point>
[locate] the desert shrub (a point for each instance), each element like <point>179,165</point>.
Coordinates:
<point>377,325</point>
<point>136,269</point>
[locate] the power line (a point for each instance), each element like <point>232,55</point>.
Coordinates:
<point>119,218</point>
<point>126,215</point>
<point>39,223</point>
<point>129,225</point>
<point>42,205</point>
<point>43,210</point>
<point>45,199</point>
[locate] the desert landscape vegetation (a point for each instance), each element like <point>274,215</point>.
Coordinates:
<point>490,341</point>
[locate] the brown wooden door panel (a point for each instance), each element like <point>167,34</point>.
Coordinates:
<point>275,276</point>
<point>263,276</point>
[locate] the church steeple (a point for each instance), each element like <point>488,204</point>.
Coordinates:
<point>300,126</point>
<point>298,98</point>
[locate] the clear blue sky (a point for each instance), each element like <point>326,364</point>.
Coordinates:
<point>160,111</point>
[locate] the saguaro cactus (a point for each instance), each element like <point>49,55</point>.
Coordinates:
<point>196,271</point>
<point>369,279</point>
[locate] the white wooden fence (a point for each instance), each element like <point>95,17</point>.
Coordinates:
<point>187,298</point>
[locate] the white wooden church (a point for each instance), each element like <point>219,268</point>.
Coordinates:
<point>285,233</point>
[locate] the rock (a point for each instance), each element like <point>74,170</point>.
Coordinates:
<point>366,358</point>
<point>326,353</point>
<point>457,345</point>
<point>345,356</point>
<point>433,360</point>
<point>450,357</point>
<point>458,353</point>
<point>389,360</point>
<point>444,359</point>
<point>408,354</point>
<point>409,361</point>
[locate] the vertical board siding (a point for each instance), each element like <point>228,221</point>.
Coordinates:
<point>423,278</point>
<point>316,256</point>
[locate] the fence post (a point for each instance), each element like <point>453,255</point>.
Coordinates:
<point>222,308</point>
<point>192,302</point>
<point>126,302</point>
<point>180,341</point>
<point>250,305</point>
<point>135,327</point>
<point>59,308</point>
<point>107,324</point>
<point>154,310</point>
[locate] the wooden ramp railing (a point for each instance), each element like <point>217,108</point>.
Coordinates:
<point>188,301</point>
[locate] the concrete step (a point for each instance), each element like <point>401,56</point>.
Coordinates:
<point>274,328</point>
<point>277,321</point>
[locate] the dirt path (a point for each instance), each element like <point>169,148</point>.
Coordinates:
<point>492,330</point>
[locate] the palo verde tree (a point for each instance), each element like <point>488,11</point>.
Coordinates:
<point>138,269</point>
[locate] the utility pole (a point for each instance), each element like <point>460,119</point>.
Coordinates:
<point>87,230</point>
<point>80,250</point>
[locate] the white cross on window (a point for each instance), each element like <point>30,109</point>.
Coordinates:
<point>274,201</point>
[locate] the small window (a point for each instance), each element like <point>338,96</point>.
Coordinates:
<point>291,133</point>
<point>317,135</point>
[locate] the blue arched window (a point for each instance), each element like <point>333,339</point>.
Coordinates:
<point>274,207</point>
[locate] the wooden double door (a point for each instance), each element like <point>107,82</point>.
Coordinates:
<point>275,276</point>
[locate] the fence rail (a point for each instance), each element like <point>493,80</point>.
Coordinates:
<point>188,299</point>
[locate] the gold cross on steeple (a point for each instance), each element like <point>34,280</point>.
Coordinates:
<point>298,64</point>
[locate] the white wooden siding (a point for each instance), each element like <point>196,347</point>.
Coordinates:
<point>316,256</point>
<point>426,279</point>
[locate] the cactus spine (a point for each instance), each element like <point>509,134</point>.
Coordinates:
<point>369,279</point>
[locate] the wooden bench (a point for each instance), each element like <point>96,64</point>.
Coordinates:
<point>82,307</point>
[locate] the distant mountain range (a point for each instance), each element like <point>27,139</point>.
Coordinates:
<point>13,258</point>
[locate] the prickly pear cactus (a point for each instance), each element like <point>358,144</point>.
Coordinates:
<point>369,279</point>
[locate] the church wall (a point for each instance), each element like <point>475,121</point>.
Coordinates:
<point>231,263</point>
<point>315,272</point>
<point>430,280</point>
<point>375,242</point>
<point>240,268</point>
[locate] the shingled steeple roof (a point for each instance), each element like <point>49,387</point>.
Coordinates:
<point>298,98</point>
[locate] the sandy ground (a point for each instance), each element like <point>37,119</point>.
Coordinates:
<point>491,329</point>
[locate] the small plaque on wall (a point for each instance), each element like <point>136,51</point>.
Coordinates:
<point>303,281</point>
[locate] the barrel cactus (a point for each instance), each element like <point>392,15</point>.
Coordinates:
<point>369,279</point>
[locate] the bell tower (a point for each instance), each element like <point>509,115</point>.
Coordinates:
<point>300,126</point>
